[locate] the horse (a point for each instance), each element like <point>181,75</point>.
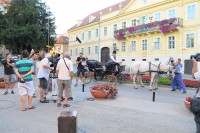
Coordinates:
<point>154,69</point>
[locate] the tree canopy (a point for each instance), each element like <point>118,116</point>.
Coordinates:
<point>27,24</point>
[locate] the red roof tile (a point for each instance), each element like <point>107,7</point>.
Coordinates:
<point>62,40</point>
<point>97,14</point>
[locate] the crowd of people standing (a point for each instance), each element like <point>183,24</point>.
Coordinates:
<point>25,69</point>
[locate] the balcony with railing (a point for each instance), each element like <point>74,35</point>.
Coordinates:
<point>163,26</point>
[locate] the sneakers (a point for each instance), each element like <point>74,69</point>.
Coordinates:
<point>173,90</point>
<point>12,92</point>
<point>75,85</point>
<point>184,92</point>
<point>6,93</point>
<point>34,95</point>
<point>45,101</point>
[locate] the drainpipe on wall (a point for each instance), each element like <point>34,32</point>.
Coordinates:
<point>99,42</point>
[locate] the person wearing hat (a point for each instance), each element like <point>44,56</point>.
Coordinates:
<point>81,68</point>
<point>113,57</point>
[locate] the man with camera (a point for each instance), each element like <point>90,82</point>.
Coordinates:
<point>177,80</point>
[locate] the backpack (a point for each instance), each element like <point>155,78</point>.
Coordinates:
<point>195,105</point>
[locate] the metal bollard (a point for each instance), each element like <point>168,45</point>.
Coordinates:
<point>154,94</point>
<point>67,122</point>
<point>83,87</point>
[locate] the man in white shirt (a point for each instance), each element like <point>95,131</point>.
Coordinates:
<point>113,57</point>
<point>43,75</point>
<point>64,71</point>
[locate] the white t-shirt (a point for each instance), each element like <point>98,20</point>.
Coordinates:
<point>43,72</point>
<point>63,70</point>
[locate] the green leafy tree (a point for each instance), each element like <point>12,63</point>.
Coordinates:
<point>27,24</point>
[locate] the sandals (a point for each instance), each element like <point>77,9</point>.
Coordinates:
<point>70,98</point>
<point>45,101</point>
<point>28,108</point>
<point>58,104</point>
<point>31,107</point>
<point>66,105</point>
<point>24,109</point>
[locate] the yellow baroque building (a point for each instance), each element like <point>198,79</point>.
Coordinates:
<point>139,30</point>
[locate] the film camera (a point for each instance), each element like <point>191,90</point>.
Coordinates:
<point>196,57</point>
<point>54,61</point>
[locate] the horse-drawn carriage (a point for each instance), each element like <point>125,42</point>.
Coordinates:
<point>110,72</point>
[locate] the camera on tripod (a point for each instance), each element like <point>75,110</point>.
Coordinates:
<point>196,57</point>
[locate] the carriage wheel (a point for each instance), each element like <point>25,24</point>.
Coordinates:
<point>98,77</point>
<point>112,79</point>
<point>88,77</point>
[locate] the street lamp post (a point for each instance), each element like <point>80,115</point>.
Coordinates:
<point>48,34</point>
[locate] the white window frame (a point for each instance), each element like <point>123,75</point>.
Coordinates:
<point>146,45</point>
<point>114,27</point>
<point>132,22</point>
<point>123,46</point>
<point>59,48</point>
<point>89,37</point>
<point>96,33</point>
<point>131,44</point>
<point>83,35</point>
<point>89,50</point>
<point>154,42</point>
<point>186,40</point>
<point>124,22</point>
<point>82,50</point>
<point>187,11</point>
<point>146,19</point>
<point>105,33</point>
<point>174,43</point>
<point>168,13</point>
<point>114,46</point>
<point>96,50</point>
<point>154,16</point>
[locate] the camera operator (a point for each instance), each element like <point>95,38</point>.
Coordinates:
<point>196,75</point>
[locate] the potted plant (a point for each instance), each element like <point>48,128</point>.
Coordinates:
<point>104,90</point>
<point>187,102</point>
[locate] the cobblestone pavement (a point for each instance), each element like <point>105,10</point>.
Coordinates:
<point>131,112</point>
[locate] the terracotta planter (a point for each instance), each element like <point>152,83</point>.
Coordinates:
<point>2,85</point>
<point>187,102</point>
<point>100,94</point>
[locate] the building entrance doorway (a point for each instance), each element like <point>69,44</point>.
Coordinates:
<point>105,55</point>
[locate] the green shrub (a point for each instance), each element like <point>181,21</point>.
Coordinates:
<point>164,81</point>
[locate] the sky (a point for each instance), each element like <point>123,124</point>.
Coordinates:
<point>67,12</point>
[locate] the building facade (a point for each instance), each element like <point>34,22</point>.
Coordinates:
<point>61,45</point>
<point>139,30</point>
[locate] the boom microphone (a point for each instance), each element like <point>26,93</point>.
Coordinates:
<point>77,39</point>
